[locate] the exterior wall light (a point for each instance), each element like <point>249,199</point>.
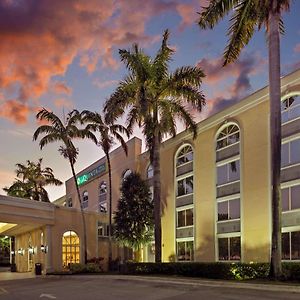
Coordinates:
<point>31,250</point>
<point>44,248</point>
<point>12,252</point>
<point>21,251</point>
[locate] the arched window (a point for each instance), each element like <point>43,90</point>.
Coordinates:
<point>228,136</point>
<point>184,203</point>
<point>126,173</point>
<point>150,171</point>
<point>228,193</point>
<point>185,155</point>
<point>290,109</point>
<point>103,197</point>
<point>85,199</point>
<point>70,248</point>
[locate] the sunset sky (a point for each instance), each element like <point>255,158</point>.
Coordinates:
<point>63,54</point>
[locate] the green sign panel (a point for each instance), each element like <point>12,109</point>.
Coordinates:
<point>89,175</point>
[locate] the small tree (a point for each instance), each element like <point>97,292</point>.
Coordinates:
<point>134,219</point>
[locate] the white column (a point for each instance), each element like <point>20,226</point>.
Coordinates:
<point>48,255</point>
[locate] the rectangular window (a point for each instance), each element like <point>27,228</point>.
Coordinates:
<point>290,198</point>
<point>291,245</point>
<point>228,173</point>
<point>229,248</point>
<point>290,153</point>
<point>185,186</point>
<point>229,210</point>
<point>185,251</point>
<point>185,218</point>
<point>103,207</point>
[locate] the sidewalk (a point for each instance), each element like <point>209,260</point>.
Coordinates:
<point>15,275</point>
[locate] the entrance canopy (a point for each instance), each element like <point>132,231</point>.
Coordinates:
<point>19,215</point>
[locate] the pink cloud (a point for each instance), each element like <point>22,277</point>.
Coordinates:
<point>60,87</point>
<point>40,39</point>
<point>15,111</point>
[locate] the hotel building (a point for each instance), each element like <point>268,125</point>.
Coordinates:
<point>216,188</point>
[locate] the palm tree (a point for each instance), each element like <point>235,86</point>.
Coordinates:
<point>31,180</point>
<point>107,132</point>
<point>64,132</point>
<point>249,15</point>
<point>154,98</point>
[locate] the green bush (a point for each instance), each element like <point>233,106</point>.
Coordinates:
<point>291,271</point>
<point>88,268</point>
<point>217,270</point>
<point>77,268</point>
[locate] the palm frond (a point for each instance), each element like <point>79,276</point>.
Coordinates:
<point>215,11</point>
<point>241,30</point>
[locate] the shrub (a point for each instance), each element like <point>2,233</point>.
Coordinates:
<point>217,270</point>
<point>88,268</point>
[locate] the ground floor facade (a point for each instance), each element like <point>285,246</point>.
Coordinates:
<point>50,235</point>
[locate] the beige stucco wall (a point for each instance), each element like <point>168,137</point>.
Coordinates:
<point>119,163</point>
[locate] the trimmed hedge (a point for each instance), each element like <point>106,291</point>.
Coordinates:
<point>219,270</point>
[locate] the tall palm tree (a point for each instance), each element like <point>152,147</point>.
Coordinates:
<point>154,97</point>
<point>64,132</point>
<point>106,133</point>
<point>249,15</point>
<point>31,180</point>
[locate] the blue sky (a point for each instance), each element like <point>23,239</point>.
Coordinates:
<point>63,54</point>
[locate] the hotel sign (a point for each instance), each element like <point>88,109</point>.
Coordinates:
<point>91,174</point>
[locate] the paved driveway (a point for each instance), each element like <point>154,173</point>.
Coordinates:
<point>131,288</point>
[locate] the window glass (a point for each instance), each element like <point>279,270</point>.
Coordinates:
<point>228,136</point>
<point>189,217</point>
<point>85,196</point>
<point>126,173</point>
<point>295,151</point>
<point>181,218</point>
<point>185,186</point>
<point>228,173</point>
<point>223,211</point>
<point>284,154</point>
<point>285,199</point>
<point>295,245</point>
<point>222,174</point>
<point>235,248</point>
<point>234,209</point>
<point>290,108</point>
<point>234,170</point>
<point>102,188</point>
<point>285,241</point>
<point>150,171</point>
<point>185,251</point>
<point>70,203</point>
<point>185,155</point>
<point>295,197</point>
<point>180,188</point>
<point>103,207</point>
<point>181,251</point>
<point>223,249</point>
<point>189,185</point>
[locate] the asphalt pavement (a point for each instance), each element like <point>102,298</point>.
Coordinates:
<point>110,287</point>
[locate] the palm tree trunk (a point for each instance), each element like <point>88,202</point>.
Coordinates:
<point>156,196</point>
<point>110,213</point>
<point>82,213</point>
<point>275,127</point>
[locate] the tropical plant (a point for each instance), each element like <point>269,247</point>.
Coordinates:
<point>31,180</point>
<point>106,132</point>
<point>134,221</point>
<point>154,99</point>
<point>248,15</point>
<point>63,131</point>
